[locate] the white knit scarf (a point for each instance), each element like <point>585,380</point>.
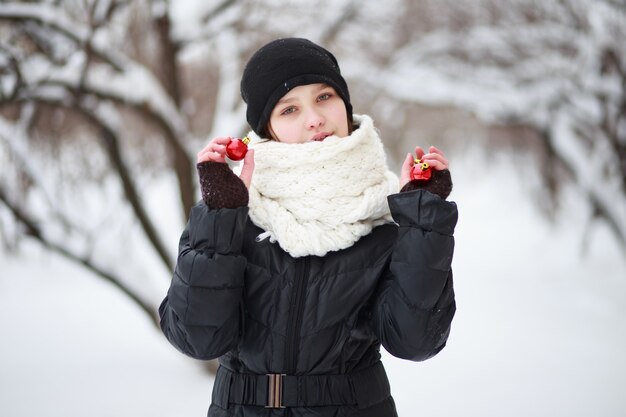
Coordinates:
<point>317,197</point>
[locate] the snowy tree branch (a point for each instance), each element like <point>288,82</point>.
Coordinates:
<point>14,136</point>
<point>34,231</point>
<point>11,67</point>
<point>54,18</point>
<point>111,144</point>
<point>122,88</point>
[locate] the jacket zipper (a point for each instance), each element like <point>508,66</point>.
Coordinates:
<point>294,323</point>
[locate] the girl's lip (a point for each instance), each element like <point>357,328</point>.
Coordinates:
<point>321,136</point>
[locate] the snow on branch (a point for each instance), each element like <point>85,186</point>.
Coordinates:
<point>14,136</point>
<point>135,86</point>
<point>11,76</point>
<point>122,80</point>
<point>46,14</point>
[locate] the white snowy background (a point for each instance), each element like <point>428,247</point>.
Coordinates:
<point>540,328</point>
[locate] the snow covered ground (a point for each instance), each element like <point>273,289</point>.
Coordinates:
<point>540,330</point>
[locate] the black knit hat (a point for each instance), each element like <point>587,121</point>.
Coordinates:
<point>282,65</point>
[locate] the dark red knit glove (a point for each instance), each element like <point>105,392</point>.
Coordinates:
<point>440,183</point>
<point>221,188</point>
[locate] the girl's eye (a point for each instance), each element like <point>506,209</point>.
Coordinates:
<point>324,97</point>
<point>288,110</point>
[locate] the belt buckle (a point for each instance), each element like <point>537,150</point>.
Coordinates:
<point>275,391</point>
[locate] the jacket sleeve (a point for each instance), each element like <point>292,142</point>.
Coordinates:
<point>415,303</point>
<point>201,314</point>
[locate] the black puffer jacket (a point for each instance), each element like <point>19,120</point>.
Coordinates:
<point>261,311</point>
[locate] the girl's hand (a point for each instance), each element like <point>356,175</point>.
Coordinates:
<point>215,151</point>
<point>434,157</point>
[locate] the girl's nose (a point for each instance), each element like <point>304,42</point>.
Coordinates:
<point>314,120</point>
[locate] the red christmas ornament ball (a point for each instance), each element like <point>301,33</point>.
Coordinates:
<point>421,171</point>
<point>237,148</point>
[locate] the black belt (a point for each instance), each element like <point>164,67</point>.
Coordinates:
<point>363,389</point>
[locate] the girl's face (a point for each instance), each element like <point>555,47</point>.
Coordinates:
<point>309,113</point>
